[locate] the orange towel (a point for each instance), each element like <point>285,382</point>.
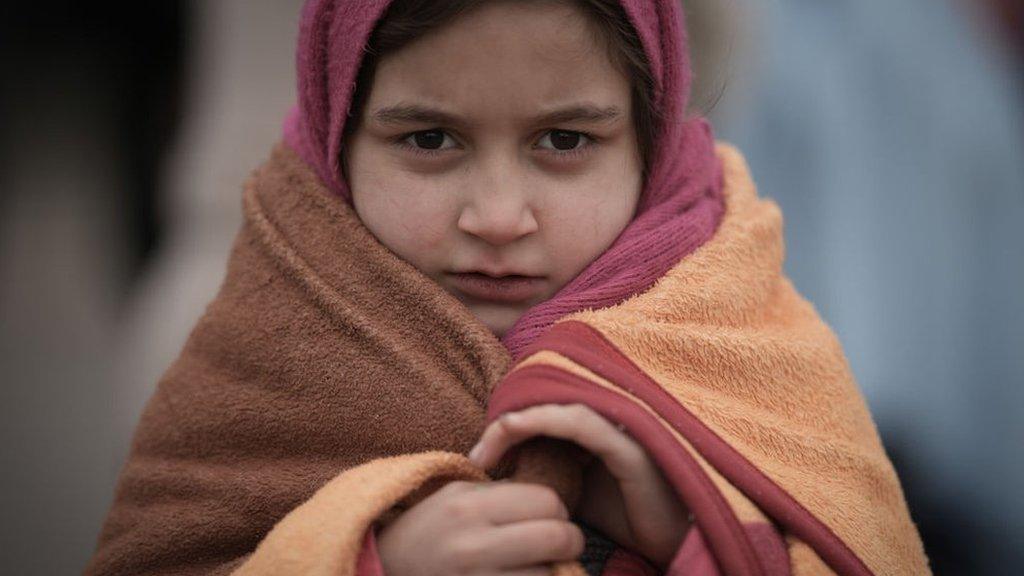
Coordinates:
<point>330,385</point>
<point>743,395</point>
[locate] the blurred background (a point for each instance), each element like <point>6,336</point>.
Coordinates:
<point>890,131</point>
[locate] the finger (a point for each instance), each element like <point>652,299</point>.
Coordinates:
<point>539,571</point>
<point>576,423</point>
<point>520,545</point>
<point>512,502</point>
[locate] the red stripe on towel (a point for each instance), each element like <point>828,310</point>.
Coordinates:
<point>589,348</point>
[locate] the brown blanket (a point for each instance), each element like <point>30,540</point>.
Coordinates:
<point>322,351</point>
<point>326,363</point>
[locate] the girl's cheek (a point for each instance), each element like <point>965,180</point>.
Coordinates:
<point>594,207</point>
<point>420,226</point>
<point>589,216</point>
<point>427,206</point>
<point>408,214</point>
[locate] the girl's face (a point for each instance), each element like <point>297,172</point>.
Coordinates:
<point>498,155</point>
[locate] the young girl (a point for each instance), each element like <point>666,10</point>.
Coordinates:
<point>459,172</point>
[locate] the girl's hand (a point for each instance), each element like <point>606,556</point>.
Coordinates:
<point>470,528</point>
<point>624,493</point>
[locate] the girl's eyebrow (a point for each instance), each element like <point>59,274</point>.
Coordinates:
<point>416,114</point>
<point>579,113</point>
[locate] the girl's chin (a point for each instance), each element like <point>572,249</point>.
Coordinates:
<point>498,318</point>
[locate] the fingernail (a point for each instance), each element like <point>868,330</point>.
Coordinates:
<point>512,418</point>
<point>474,454</point>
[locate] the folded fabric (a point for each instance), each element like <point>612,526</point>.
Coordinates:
<point>743,396</point>
<point>322,351</point>
<point>330,386</point>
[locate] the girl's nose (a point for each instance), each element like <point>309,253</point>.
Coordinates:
<point>498,215</point>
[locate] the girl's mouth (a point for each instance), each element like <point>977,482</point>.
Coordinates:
<point>509,289</point>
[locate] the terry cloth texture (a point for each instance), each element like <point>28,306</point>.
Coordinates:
<point>680,204</point>
<point>330,385</point>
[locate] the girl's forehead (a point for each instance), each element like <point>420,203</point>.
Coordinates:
<point>526,56</point>
<point>505,25</point>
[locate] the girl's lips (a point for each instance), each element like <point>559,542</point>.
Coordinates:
<point>507,289</point>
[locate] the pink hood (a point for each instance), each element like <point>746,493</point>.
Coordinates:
<point>681,203</point>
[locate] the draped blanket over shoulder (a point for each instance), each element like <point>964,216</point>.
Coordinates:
<point>330,384</point>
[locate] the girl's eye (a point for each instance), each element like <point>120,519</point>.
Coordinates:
<point>430,140</point>
<point>563,140</point>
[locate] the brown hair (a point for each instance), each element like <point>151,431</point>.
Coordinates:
<point>406,20</point>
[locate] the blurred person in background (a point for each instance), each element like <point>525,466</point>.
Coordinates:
<point>125,136</point>
<point>1008,17</point>
<point>88,105</point>
<point>241,85</point>
<point>891,133</point>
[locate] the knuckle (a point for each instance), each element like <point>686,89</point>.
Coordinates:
<point>549,501</point>
<point>566,539</point>
<point>462,555</point>
<point>462,505</point>
<point>579,541</point>
<point>637,460</point>
<point>502,427</point>
<point>455,487</point>
<point>460,510</point>
<point>634,456</point>
<point>579,410</point>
